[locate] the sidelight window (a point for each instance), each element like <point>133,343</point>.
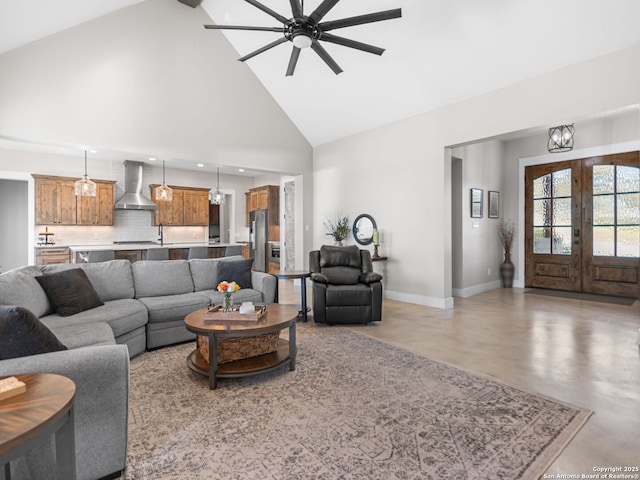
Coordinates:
<point>616,211</point>
<point>552,213</point>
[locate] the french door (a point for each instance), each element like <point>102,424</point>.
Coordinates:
<point>582,225</point>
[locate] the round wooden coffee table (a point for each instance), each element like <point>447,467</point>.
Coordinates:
<point>278,318</point>
<point>46,408</point>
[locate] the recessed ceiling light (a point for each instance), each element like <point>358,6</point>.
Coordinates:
<point>93,151</point>
<point>201,164</point>
<point>153,159</point>
<point>241,169</point>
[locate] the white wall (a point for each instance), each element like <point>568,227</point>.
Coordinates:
<point>400,173</point>
<point>479,251</point>
<point>14,219</point>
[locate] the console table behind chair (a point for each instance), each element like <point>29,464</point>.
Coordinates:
<point>28,419</point>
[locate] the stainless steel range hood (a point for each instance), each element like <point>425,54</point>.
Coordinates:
<point>133,199</point>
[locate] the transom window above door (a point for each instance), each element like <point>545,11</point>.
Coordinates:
<point>616,211</point>
<point>552,213</point>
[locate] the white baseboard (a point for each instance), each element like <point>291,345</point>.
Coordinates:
<point>442,303</point>
<point>474,290</point>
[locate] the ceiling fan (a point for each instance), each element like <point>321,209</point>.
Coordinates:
<point>308,30</point>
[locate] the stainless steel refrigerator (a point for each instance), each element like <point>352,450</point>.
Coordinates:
<point>258,238</point>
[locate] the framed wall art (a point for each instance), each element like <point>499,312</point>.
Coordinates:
<point>494,204</point>
<point>476,202</point>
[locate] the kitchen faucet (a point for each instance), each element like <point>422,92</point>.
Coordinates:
<point>161,234</point>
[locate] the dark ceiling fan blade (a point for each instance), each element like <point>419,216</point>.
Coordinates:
<point>268,11</point>
<point>346,42</point>
<point>361,19</point>
<point>293,61</point>
<point>240,27</point>
<point>263,49</point>
<point>322,10</point>
<point>324,55</point>
<point>296,8</point>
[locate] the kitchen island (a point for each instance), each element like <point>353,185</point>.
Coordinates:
<point>136,251</point>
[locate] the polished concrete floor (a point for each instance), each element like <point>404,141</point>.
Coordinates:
<point>580,352</point>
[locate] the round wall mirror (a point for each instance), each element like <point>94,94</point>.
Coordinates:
<point>363,228</point>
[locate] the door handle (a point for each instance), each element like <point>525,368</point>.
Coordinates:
<point>576,232</point>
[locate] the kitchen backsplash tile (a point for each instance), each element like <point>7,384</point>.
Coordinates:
<point>129,225</point>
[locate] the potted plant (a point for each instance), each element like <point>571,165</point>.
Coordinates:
<point>339,229</point>
<point>506,232</point>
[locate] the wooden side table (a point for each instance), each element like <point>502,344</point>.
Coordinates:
<point>27,419</point>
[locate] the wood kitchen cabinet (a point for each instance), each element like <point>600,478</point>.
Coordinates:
<point>97,210</point>
<point>56,202</point>
<point>189,207</point>
<point>267,198</point>
<point>196,207</point>
<point>52,255</point>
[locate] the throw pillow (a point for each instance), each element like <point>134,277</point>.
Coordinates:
<point>238,271</point>
<point>70,291</point>
<point>22,334</point>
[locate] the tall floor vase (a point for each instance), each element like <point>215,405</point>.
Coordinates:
<point>506,271</point>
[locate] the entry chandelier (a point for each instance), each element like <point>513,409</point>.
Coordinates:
<point>561,138</point>
<point>85,187</point>
<point>216,197</point>
<point>164,192</point>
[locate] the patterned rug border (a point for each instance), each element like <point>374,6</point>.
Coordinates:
<point>533,467</point>
<point>560,442</point>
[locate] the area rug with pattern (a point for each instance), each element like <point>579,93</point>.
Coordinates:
<point>354,408</point>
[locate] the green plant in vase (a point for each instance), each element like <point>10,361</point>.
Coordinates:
<point>339,229</point>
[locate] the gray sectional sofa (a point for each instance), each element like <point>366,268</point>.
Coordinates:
<point>144,307</point>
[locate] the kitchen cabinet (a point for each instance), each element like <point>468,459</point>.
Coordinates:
<point>56,202</point>
<point>52,255</point>
<point>196,207</point>
<point>267,198</point>
<point>189,207</point>
<point>97,210</point>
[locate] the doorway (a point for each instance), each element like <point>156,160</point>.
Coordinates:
<point>582,225</point>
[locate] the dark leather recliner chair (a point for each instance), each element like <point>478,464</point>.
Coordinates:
<point>345,287</point>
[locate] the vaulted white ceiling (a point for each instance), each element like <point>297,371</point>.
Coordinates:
<point>439,52</point>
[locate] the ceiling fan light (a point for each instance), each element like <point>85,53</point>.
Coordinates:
<point>301,40</point>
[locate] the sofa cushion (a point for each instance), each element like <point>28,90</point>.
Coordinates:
<point>112,280</point>
<point>204,272</point>
<point>19,287</point>
<point>123,316</point>
<point>85,335</point>
<point>161,278</point>
<point>173,307</point>
<point>22,334</point>
<point>70,291</point>
<point>238,271</point>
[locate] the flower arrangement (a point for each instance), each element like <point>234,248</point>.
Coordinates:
<point>227,288</point>
<point>339,228</point>
<point>506,232</point>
